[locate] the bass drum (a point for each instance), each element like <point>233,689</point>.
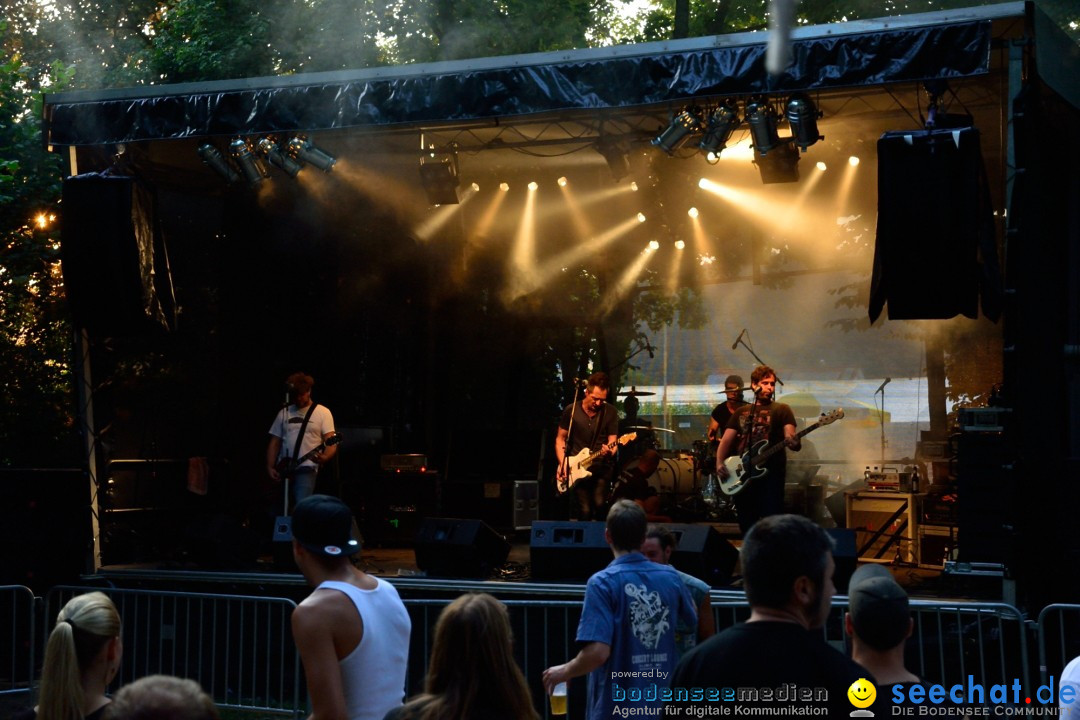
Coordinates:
<point>674,475</point>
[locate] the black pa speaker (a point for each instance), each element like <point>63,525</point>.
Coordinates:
<point>701,551</point>
<point>451,547</point>
<point>107,254</point>
<point>564,550</point>
<point>845,556</point>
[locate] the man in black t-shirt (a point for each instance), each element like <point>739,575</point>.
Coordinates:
<point>733,388</point>
<point>778,659</point>
<point>751,429</point>
<point>591,424</point>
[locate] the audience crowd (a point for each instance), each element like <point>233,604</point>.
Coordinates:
<point>646,637</point>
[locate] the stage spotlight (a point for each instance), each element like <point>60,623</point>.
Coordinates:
<point>505,187</point>
<point>692,212</point>
<point>641,217</point>
<point>616,156</point>
<point>722,123</point>
<point>853,161</point>
<point>440,180</point>
<point>781,165</point>
<point>822,166</point>
<point>761,116</point>
<point>249,164</point>
<point>213,157</point>
<point>475,187</point>
<point>680,244</point>
<point>301,149</point>
<point>802,116</point>
<point>654,244</point>
<point>633,186</point>
<point>682,127</point>
<point>562,182</point>
<point>533,186</point>
<point>270,150</point>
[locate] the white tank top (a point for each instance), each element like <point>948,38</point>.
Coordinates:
<point>373,674</point>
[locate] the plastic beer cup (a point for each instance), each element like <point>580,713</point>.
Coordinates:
<point>558,699</point>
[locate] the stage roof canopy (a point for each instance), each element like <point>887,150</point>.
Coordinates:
<point>591,87</point>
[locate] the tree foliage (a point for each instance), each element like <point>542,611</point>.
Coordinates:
<point>35,336</point>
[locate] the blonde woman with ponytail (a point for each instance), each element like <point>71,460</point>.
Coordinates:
<point>81,658</point>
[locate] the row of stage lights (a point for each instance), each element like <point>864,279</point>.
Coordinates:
<point>247,158</point>
<point>776,157</point>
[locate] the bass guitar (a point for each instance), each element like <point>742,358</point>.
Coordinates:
<point>742,469</point>
<point>577,467</point>
<point>286,466</point>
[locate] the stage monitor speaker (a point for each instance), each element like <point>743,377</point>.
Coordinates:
<point>451,547</point>
<point>845,557</point>
<point>701,551</point>
<point>564,550</point>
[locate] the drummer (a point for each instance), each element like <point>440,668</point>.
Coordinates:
<point>733,388</point>
<point>631,423</point>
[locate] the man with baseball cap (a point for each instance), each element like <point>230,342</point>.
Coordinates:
<point>879,623</point>
<point>353,630</point>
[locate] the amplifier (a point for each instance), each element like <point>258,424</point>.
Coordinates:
<point>404,463</point>
<point>982,419</point>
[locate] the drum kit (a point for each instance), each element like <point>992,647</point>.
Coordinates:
<point>685,480</point>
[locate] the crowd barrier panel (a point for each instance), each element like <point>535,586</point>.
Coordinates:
<point>950,640</point>
<point>239,648</point>
<point>17,645</point>
<point>1058,630</point>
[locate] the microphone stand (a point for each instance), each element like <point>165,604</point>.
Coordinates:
<point>750,350</point>
<point>565,464</point>
<point>641,349</point>
<point>881,418</point>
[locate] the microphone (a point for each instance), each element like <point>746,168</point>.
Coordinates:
<point>289,387</point>
<point>736,343</point>
<point>649,349</point>
<point>882,387</point>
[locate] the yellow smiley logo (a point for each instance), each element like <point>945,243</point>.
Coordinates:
<point>862,693</point>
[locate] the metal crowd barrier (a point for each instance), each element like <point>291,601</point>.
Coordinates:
<point>949,641</point>
<point>17,639</point>
<point>1059,639</point>
<point>239,648</point>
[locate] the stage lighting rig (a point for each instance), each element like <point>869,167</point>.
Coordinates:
<point>761,117</point>
<point>439,176</point>
<point>246,160</point>
<point>269,149</point>
<point>802,116</point>
<point>722,123</point>
<point>683,126</point>
<point>303,150</point>
<point>214,159</point>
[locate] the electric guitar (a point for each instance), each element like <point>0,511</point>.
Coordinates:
<point>747,467</point>
<point>286,466</point>
<point>577,467</point>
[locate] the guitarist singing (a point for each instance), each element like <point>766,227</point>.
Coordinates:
<point>772,421</point>
<point>317,425</point>
<point>595,425</point>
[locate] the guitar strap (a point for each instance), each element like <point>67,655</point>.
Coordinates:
<point>300,435</point>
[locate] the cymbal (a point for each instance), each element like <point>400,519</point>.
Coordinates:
<point>637,392</point>
<point>647,427</point>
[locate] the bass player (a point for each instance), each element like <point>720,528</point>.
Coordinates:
<point>760,420</point>
<point>591,424</point>
<point>300,427</point>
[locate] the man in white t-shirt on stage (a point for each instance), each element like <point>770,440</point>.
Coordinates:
<point>282,452</point>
